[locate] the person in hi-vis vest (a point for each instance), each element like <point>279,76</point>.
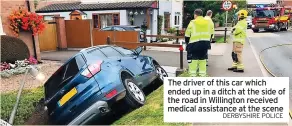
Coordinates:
<point>239,38</point>
<point>197,37</point>
<point>209,17</point>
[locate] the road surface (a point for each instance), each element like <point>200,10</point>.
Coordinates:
<point>278,59</point>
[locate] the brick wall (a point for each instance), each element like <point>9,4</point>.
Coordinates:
<point>6,9</point>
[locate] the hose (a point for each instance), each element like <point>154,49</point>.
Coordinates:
<point>269,71</point>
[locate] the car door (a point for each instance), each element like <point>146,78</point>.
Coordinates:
<point>146,67</point>
<point>129,62</point>
<point>122,60</point>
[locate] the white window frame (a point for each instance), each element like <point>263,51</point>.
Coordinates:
<point>177,20</point>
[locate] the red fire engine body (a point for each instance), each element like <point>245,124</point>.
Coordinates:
<point>271,18</point>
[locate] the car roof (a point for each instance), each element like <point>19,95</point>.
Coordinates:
<point>91,48</point>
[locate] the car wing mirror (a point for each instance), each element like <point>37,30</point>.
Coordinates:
<point>138,50</point>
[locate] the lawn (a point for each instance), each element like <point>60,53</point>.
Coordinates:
<point>221,39</point>
<point>149,114</point>
<point>25,108</point>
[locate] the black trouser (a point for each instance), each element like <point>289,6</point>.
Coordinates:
<point>198,50</point>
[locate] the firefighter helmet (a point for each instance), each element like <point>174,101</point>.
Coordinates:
<point>242,14</point>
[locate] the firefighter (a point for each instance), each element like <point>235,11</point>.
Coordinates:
<point>197,37</point>
<point>239,36</point>
<point>209,17</point>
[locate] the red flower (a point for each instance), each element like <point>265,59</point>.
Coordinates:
<point>25,19</point>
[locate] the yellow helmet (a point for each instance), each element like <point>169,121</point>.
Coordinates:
<point>242,14</point>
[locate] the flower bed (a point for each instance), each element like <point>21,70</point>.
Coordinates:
<point>19,67</point>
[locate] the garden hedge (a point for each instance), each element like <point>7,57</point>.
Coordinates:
<point>13,49</point>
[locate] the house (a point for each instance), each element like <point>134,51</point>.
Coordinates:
<point>31,41</point>
<point>172,12</point>
<point>105,14</point>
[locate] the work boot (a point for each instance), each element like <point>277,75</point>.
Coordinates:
<point>238,70</point>
<point>232,68</point>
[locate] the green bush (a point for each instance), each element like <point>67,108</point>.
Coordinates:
<point>171,30</point>
<point>13,49</point>
<point>159,26</point>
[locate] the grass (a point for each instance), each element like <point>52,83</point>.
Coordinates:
<point>221,39</point>
<point>149,114</point>
<point>25,108</point>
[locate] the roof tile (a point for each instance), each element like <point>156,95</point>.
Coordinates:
<point>97,6</point>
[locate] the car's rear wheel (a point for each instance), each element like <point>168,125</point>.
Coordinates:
<point>135,96</point>
<point>161,73</point>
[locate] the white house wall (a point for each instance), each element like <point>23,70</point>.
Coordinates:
<point>171,6</point>
<point>123,21</point>
<point>177,6</point>
<point>62,14</point>
<point>154,24</point>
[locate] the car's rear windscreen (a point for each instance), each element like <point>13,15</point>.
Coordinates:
<point>63,75</point>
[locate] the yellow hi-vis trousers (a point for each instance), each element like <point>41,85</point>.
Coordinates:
<point>198,64</point>
<point>237,49</point>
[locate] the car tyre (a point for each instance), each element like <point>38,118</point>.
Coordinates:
<point>255,30</point>
<point>161,73</point>
<point>135,96</point>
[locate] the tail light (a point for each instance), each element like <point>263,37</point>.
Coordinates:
<point>92,69</point>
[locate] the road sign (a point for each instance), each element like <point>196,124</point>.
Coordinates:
<point>227,5</point>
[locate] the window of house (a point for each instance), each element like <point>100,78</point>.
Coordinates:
<point>95,21</point>
<point>116,19</point>
<point>104,20</point>
<point>176,20</point>
<point>166,20</point>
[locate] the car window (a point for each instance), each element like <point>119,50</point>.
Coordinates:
<point>110,52</point>
<point>107,29</point>
<point>119,29</point>
<point>63,75</point>
<point>124,50</point>
<point>96,53</point>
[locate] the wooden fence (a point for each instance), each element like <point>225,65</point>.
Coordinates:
<point>48,38</point>
<point>78,33</point>
<point>101,37</point>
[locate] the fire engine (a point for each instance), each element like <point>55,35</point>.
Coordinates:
<point>271,18</point>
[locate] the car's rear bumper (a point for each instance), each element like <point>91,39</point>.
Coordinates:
<point>94,111</point>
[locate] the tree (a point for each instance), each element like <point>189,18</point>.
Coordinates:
<point>215,6</point>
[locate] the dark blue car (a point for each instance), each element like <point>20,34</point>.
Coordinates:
<point>88,84</point>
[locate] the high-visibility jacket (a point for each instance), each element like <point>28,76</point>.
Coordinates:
<point>212,26</point>
<point>239,34</point>
<point>198,30</point>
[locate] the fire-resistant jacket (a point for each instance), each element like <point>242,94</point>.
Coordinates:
<point>239,33</point>
<point>199,30</point>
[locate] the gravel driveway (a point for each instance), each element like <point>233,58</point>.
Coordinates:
<point>13,83</point>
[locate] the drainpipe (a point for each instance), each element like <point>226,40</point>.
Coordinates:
<point>33,40</point>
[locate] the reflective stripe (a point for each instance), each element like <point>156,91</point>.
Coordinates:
<point>201,33</point>
<point>239,39</point>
